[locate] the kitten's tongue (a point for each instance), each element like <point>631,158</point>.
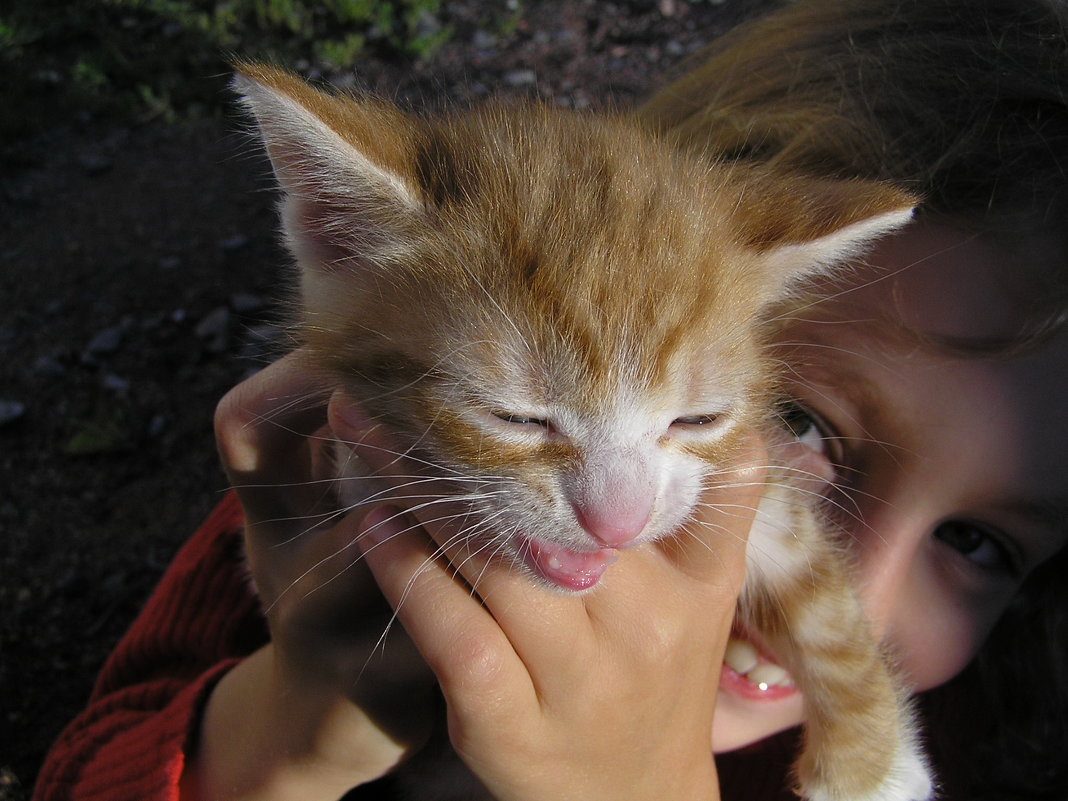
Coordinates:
<point>572,570</point>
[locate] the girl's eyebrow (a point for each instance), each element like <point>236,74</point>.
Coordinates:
<point>1048,513</point>
<point>872,409</point>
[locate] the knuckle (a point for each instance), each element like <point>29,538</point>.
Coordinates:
<point>471,665</point>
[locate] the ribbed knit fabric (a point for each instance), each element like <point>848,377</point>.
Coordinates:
<point>130,743</point>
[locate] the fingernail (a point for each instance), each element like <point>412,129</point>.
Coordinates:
<point>381,523</point>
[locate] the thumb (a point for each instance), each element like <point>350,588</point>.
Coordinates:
<point>711,545</point>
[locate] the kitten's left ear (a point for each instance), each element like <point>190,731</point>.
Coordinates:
<point>803,227</point>
<point>345,165</point>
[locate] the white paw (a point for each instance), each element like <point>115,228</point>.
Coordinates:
<point>912,776</point>
<point>909,779</point>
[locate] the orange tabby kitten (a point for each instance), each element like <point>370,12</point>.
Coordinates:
<point>565,312</point>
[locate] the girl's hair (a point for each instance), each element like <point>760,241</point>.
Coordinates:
<point>964,102</point>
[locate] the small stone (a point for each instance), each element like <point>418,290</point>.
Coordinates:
<point>115,383</point>
<point>246,303</point>
<point>49,367</point>
<point>232,243</point>
<point>10,411</point>
<point>427,25</point>
<point>153,322</point>
<point>520,78</point>
<point>107,341</point>
<point>170,262</point>
<point>484,41</point>
<point>94,163</point>
<point>157,425</point>
<point>214,329</point>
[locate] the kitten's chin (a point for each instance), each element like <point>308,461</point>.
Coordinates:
<point>566,569</point>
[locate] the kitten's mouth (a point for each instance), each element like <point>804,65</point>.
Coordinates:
<point>750,671</point>
<point>567,569</point>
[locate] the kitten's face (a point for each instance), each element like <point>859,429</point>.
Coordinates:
<point>558,311</point>
<point>587,427</point>
<point>571,340</point>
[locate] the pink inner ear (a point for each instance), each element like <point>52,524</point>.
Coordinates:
<point>305,225</point>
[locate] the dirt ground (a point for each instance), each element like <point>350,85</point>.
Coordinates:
<point>138,274</point>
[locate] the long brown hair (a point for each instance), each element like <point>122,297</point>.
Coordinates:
<point>964,102</point>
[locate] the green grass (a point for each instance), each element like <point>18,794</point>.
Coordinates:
<point>169,57</point>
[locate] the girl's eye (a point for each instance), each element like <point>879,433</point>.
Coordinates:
<point>805,427</point>
<point>976,544</point>
<point>520,419</point>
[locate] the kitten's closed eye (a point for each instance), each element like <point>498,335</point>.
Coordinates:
<point>521,419</point>
<point>697,420</point>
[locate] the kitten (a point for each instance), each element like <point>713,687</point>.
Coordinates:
<point>569,311</point>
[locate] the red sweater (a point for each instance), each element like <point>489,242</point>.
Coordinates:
<point>131,741</point>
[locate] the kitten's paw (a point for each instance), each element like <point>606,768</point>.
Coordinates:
<point>909,779</point>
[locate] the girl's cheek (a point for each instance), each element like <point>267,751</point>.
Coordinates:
<point>935,634</point>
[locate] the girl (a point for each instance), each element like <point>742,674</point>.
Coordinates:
<point>928,387</point>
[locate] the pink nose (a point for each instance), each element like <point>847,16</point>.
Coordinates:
<point>614,525</point>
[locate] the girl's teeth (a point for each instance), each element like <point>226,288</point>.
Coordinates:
<point>768,675</point>
<point>742,657</point>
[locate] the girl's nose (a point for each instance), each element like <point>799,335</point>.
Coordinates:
<point>887,551</point>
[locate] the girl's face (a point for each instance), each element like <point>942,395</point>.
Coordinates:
<point>949,470</point>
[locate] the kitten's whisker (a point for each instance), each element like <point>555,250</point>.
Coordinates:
<point>427,504</point>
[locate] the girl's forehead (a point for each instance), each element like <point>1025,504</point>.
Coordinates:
<point>945,283</point>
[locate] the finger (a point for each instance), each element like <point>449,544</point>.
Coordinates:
<point>710,547</point>
<point>374,445</point>
<point>397,478</point>
<point>272,412</point>
<point>299,561</point>
<point>266,429</point>
<point>695,573</point>
<point>454,632</point>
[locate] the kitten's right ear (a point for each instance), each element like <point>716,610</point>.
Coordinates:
<point>344,165</point>
<point>804,227</point>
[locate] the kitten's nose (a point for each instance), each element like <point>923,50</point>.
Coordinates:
<point>614,525</point>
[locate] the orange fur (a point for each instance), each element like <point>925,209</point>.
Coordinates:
<point>545,302</point>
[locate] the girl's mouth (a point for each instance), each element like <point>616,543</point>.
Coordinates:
<point>750,671</point>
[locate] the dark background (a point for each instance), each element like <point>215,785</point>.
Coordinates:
<point>139,269</point>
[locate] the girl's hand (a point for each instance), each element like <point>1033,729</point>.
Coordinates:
<point>324,707</point>
<point>609,694</point>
